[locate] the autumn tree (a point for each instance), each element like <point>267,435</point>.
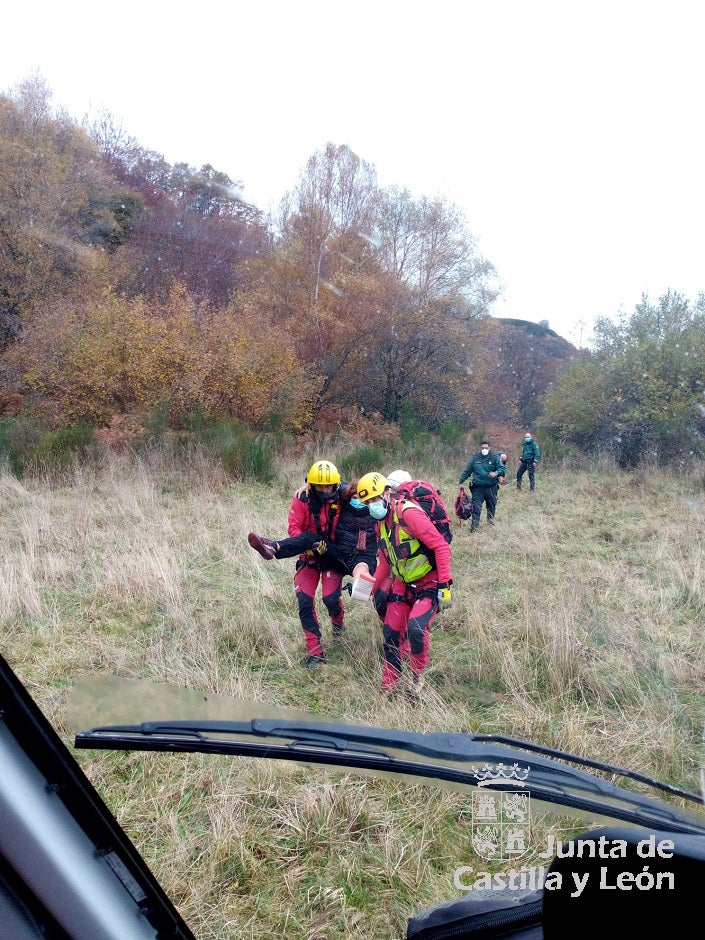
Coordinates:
<point>427,246</point>
<point>55,207</point>
<point>368,268</point>
<point>120,355</point>
<point>639,395</point>
<point>329,214</point>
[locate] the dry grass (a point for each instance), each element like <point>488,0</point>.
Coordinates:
<point>577,622</point>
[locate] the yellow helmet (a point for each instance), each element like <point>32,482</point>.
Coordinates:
<point>371,485</point>
<point>322,473</point>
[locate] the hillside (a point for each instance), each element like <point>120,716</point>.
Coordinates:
<point>564,630</point>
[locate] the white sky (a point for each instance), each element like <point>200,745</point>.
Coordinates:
<point>570,133</point>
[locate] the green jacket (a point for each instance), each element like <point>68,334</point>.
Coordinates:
<point>530,450</point>
<point>479,468</point>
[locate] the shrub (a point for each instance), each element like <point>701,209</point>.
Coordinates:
<point>59,450</point>
<point>26,442</point>
<point>241,451</point>
<point>362,460</point>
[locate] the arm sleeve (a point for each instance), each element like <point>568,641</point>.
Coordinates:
<point>466,473</point>
<point>381,572</point>
<point>298,517</point>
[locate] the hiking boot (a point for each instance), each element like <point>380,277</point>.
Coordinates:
<point>266,547</point>
<point>315,659</point>
<point>338,630</point>
<point>413,693</point>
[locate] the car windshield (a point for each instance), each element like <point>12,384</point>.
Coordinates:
<point>474,788</point>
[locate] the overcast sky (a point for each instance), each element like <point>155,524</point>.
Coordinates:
<point>570,133</point>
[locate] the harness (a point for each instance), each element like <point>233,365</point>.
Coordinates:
<point>412,594</point>
<point>325,533</point>
<point>409,559</point>
<point>333,507</point>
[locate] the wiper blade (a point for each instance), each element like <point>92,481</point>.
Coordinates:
<point>589,762</point>
<point>475,760</point>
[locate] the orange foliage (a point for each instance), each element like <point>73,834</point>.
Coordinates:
<point>120,355</point>
<point>120,433</point>
<point>11,403</point>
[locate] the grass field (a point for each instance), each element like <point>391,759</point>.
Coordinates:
<point>578,622</point>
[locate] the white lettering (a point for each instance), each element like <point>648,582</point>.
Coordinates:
<point>579,885</point>
<point>550,848</point>
<point>618,849</point>
<point>646,848</point>
<point>465,878</point>
<point>645,880</point>
<point>457,875</point>
<point>554,881</point>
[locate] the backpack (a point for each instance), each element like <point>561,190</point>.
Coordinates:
<point>463,505</point>
<point>426,496</point>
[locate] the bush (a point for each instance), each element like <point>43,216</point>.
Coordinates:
<point>362,460</point>
<point>451,434</point>
<point>19,435</point>
<point>58,450</point>
<point>241,451</point>
<point>27,443</point>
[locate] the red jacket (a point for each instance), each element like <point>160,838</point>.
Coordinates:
<point>303,517</point>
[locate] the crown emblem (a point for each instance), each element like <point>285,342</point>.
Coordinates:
<point>486,774</point>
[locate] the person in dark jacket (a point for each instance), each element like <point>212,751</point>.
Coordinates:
<point>530,456</point>
<point>485,469</point>
<point>333,534</point>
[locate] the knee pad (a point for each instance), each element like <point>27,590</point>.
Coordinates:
<point>415,635</point>
<point>333,605</point>
<point>391,637</point>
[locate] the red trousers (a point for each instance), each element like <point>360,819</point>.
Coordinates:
<point>407,627</point>
<point>306,582</point>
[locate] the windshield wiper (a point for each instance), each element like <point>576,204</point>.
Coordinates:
<point>474,760</point>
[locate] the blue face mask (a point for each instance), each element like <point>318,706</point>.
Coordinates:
<point>379,509</point>
<point>357,503</point>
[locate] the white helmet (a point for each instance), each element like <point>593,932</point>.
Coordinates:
<point>396,478</point>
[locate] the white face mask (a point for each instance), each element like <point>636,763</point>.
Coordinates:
<point>485,451</point>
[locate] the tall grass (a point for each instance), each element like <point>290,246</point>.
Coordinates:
<point>577,622</point>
